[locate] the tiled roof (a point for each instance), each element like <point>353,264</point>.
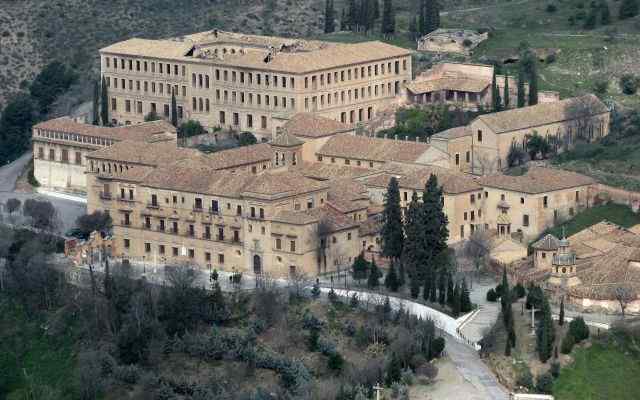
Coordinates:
<point>547,243</point>
<point>139,132</point>
<point>537,180</point>
<point>347,195</point>
<point>453,133</point>
<point>374,149</point>
<point>239,156</point>
<point>309,125</point>
<point>281,183</point>
<point>448,83</point>
<point>334,220</point>
<point>305,57</point>
<point>370,227</point>
<point>286,139</point>
<point>544,113</point>
<point>322,171</point>
<point>144,153</point>
<point>415,178</point>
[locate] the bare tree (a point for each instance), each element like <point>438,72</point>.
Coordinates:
<point>582,111</point>
<point>477,248</point>
<point>323,229</point>
<point>625,294</point>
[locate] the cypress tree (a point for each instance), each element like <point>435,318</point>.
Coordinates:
<point>374,276</point>
<point>413,249</point>
<point>545,332</point>
<point>465,300</point>
<point>456,300</point>
<point>352,16</point>
<point>495,94</point>
<point>436,233</point>
<point>388,19</point>
<point>605,13</point>
<point>104,102</point>
<point>413,28</point>
<point>426,290</point>
<point>329,17</point>
<point>506,97</point>
<point>505,296</point>
<point>561,316</point>
<point>391,279</point>
<point>533,80</point>
<point>450,291</point>
<point>96,103</point>
<point>422,18</point>
<point>442,289</point>
<point>521,91</point>
<point>433,295</point>
<point>174,109</point>
<point>392,234</point>
<point>343,20</point>
<point>375,10</point>
<point>360,268</point>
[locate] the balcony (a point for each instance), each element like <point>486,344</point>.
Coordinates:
<point>153,205</point>
<point>197,208</point>
<point>105,196</point>
<point>214,211</point>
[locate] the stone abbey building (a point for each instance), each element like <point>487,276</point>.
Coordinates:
<point>249,83</point>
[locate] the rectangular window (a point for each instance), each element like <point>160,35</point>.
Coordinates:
<point>292,246</point>
<point>278,244</point>
<point>525,220</point>
<point>127,243</point>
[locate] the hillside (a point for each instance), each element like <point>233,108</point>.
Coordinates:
<point>33,32</point>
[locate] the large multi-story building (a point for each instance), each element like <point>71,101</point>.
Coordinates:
<point>249,83</point>
<point>61,145</point>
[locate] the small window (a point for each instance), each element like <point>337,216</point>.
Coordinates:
<point>126,243</point>
<point>479,135</point>
<point>525,220</point>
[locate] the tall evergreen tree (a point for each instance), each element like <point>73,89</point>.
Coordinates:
<point>432,16</point>
<point>374,275</point>
<point>592,19</point>
<point>456,300</point>
<point>104,102</point>
<point>442,289</point>
<point>413,250</point>
<point>329,17</point>
<point>521,91</point>
<point>391,279</point>
<point>343,20</point>
<point>96,104</point>
<point>628,9</point>
<point>450,290</point>
<point>506,96</point>
<point>561,316</point>
<point>436,233</point>
<point>495,94</point>
<point>605,13</point>
<point>422,18</point>
<point>388,19</point>
<point>465,299</point>
<point>392,235</point>
<point>533,84</point>
<point>505,296</point>
<point>174,109</point>
<point>545,332</point>
<point>352,16</point>
<point>413,28</point>
<point>375,6</point>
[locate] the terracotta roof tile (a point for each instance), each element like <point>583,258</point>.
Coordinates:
<point>309,125</point>
<point>453,133</point>
<point>448,83</point>
<point>537,180</point>
<point>544,113</point>
<point>374,149</point>
<point>415,178</point>
<point>144,153</point>
<point>323,171</point>
<point>239,156</point>
<point>547,243</point>
<point>139,132</point>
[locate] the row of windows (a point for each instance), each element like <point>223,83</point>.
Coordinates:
<point>64,155</point>
<point>350,96</point>
<point>74,137</point>
<point>145,66</point>
<point>202,81</point>
<point>347,161</point>
<point>233,97</point>
<point>354,73</point>
<point>140,109</point>
<point>214,206</point>
<point>146,86</point>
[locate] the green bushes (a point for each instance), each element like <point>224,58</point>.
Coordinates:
<point>567,344</point>
<point>578,329</point>
<point>544,383</point>
<point>629,84</point>
<point>491,295</point>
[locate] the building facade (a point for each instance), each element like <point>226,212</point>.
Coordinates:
<point>247,82</point>
<point>61,146</point>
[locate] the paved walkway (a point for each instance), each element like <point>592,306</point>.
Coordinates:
<point>487,314</point>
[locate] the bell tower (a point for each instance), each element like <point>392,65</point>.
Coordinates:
<point>287,150</point>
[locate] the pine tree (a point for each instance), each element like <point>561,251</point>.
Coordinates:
<point>394,370</point>
<point>374,276</point>
<point>521,90</point>
<point>605,13</point>
<point>561,316</point>
<point>401,274</point>
<point>392,234</point>
<point>506,97</point>
<point>329,17</point>
<point>388,19</point>
<point>436,234</point>
<point>591,20</point>
<point>442,289</point>
<point>104,102</point>
<point>628,9</point>
<point>174,109</point>
<point>495,94</point>
<point>96,103</point>
<point>450,291</point>
<point>391,279</point>
<point>432,16</point>
<point>465,300</point>
<point>375,9</point>
<point>422,18</point>
<point>533,80</point>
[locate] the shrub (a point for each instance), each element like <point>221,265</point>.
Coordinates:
<point>407,377</point>
<point>467,42</point>
<point>567,344</point>
<point>578,329</point>
<point>335,361</point>
<point>326,347</point>
<point>629,84</point>
<point>601,85</point>
<point>437,346</point>
<point>551,8</point>
<point>524,378</point>
<point>333,297</point>
<point>544,383</point>
<point>551,58</point>
<point>429,370</point>
<point>519,291</point>
<point>353,302</point>
<point>349,328</point>
<point>555,369</point>
<point>491,295</point>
